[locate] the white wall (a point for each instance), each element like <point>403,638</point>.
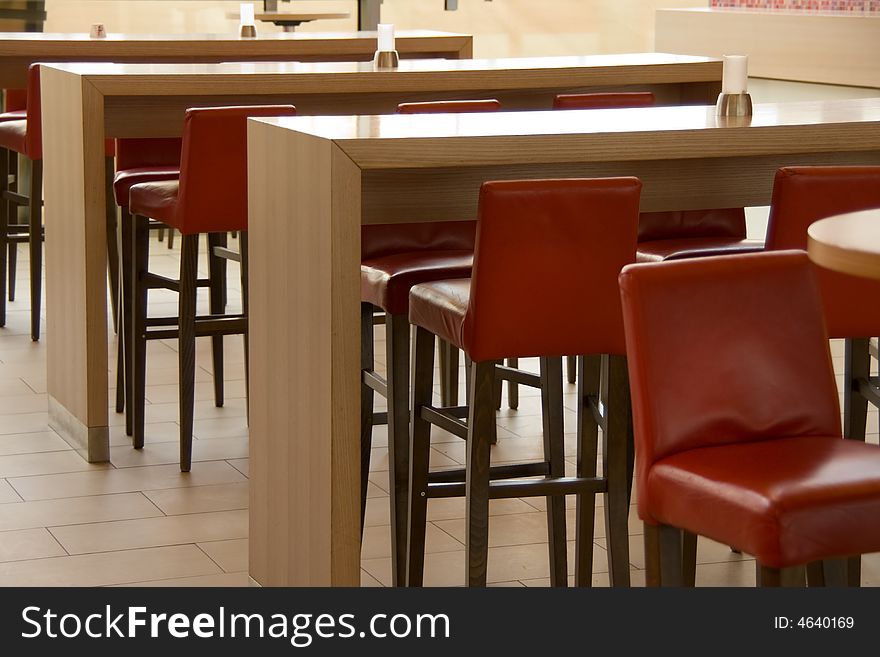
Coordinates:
<point>500,28</point>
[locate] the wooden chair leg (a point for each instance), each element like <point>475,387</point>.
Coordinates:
<point>688,558</point>
<point>160,232</point>
<point>448,374</point>
<point>217,304</point>
<point>170,238</point>
<point>481,419</point>
<point>587,460</point>
<point>397,361</point>
<point>189,253</point>
<point>513,388</point>
<point>765,576</point>
<point>856,368</point>
<point>13,269</point>
<point>617,467</point>
<point>125,335</point>
<point>554,453</point>
<point>244,259</point>
<point>571,368</point>
<point>841,572</point>
<point>815,574</point>
<point>652,556</point>
<point>366,404</point>
<point>112,244</point>
<point>137,358</point>
<point>35,241</point>
<point>6,246</point>
<point>419,450</point>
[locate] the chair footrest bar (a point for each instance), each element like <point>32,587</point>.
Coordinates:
<point>375,382</point>
<point>380,418</point>
<point>515,375</point>
<point>594,405</point>
<point>457,475</point>
<point>227,254</point>
<point>524,488</point>
<point>159,282</point>
<point>870,389</point>
<point>446,421</point>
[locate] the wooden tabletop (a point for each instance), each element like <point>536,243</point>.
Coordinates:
<point>299,16</point>
<point>848,243</point>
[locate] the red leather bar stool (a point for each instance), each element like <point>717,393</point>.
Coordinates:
<point>394,257</point>
<point>137,161</point>
<point>23,136</point>
<point>15,109</point>
<point>575,235</point>
<point>677,234</point>
<point>802,195</point>
<point>210,198</point>
<point>757,461</point>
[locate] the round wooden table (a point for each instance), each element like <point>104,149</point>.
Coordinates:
<point>848,243</point>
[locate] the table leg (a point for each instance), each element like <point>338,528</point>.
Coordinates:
<point>76,262</point>
<point>304,237</point>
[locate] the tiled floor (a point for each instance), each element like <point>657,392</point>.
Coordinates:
<point>139,520</point>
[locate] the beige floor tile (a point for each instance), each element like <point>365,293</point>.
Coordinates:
<point>204,391</point>
<point>24,423</point>
<point>29,403</point>
<point>14,386</point>
<point>200,499</point>
<point>32,443</point>
<point>368,580</point>
<point>124,480</point>
<point>28,544</point>
<point>871,569</point>
<point>217,449</point>
<point>377,541</point>
<point>451,508</point>
<point>233,427</point>
<point>731,573</point>
<point>109,567</point>
<point>43,463</point>
<point>241,465</point>
<point>78,510</point>
<point>7,493</point>
<point>152,532</point>
<point>157,432</point>
<point>230,555</point>
<point>237,580</point>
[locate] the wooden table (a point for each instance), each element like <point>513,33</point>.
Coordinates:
<point>848,243</point>
<point>289,20</point>
<point>83,103</point>
<point>315,180</point>
<point>20,49</point>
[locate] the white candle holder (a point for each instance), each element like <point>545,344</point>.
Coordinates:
<point>733,105</point>
<point>386,54</point>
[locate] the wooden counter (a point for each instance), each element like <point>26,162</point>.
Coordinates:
<point>314,180</point>
<point>20,49</point>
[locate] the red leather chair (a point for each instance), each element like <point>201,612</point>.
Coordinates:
<point>675,234</point>
<point>23,136</point>
<point>210,197</point>
<point>16,105</point>
<point>394,257</point>
<point>737,423</point>
<point>540,244</point>
<point>802,195</point>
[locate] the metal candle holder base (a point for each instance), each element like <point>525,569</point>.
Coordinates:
<point>248,31</point>
<point>386,59</point>
<point>733,105</point>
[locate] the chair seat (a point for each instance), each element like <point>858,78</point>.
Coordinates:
<point>126,179</point>
<point>15,115</point>
<point>156,200</point>
<point>386,281</point>
<point>787,501</point>
<point>13,135</point>
<point>694,247</point>
<point>440,307</point>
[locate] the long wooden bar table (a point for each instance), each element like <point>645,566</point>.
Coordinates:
<point>18,50</point>
<point>83,103</point>
<point>314,181</point>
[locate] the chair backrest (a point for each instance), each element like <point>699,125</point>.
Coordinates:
<point>213,167</point>
<point>16,99</point>
<point>33,142</point>
<point>604,100</point>
<point>545,270</point>
<point>450,106</point>
<point>802,195</point>
<point>156,152</point>
<point>724,350</point>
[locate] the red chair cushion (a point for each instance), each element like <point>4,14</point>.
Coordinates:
<point>386,281</point>
<point>13,135</point>
<point>694,247</point>
<point>787,502</point>
<point>440,307</point>
<point>156,200</point>
<point>15,115</point>
<point>125,180</point>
